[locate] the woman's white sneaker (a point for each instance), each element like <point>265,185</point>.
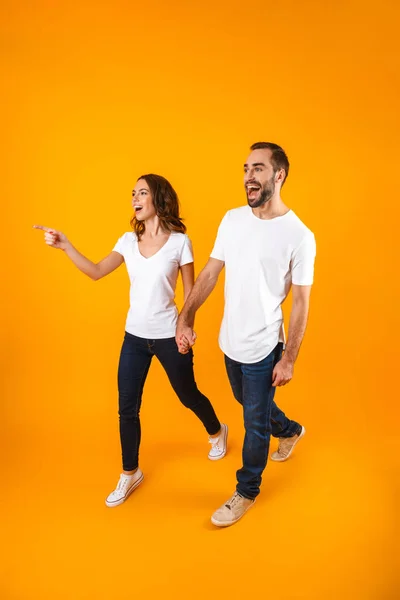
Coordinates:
<point>219,444</point>
<point>125,487</point>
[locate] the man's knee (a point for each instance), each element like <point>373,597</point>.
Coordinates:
<point>255,419</point>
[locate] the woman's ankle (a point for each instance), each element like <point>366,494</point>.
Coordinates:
<point>130,472</point>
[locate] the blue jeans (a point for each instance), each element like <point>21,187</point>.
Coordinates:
<point>134,364</point>
<point>252,386</point>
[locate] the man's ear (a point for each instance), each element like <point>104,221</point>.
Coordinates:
<point>280,176</point>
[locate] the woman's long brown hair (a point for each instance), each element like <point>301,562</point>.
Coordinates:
<point>166,203</point>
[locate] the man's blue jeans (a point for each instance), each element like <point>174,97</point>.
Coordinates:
<point>252,387</point>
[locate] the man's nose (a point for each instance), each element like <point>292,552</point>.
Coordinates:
<point>249,177</point>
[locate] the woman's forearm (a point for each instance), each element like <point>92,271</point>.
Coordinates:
<point>85,265</point>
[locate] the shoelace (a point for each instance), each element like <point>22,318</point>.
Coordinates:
<point>233,501</point>
<point>215,442</point>
<point>122,485</point>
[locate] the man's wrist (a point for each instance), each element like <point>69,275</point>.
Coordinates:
<point>186,318</point>
<point>288,358</point>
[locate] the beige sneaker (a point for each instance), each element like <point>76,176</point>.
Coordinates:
<point>231,511</point>
<point>286,446</point>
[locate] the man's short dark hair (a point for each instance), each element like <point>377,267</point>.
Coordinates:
<point>279,159</point>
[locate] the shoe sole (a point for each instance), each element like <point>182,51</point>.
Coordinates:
<point>302,433</point>
<point>225,444</point>
<point>129,492</point>
<point>222,524</point>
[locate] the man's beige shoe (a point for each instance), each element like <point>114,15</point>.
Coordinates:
<point>286,446</point>
<point>231,511</point>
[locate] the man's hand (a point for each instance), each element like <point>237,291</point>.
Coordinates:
<point>185,336</point>
<point>282,373</point>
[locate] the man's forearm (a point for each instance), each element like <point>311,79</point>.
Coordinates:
<point>204,285</point>
<point>297,328</point>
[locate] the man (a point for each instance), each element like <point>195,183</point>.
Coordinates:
<point>266,250</point>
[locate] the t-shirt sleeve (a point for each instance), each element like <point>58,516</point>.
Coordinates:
<point>120,245</point>
<point>303,261</point>
<point>218,251</point>
<point>186,252</point>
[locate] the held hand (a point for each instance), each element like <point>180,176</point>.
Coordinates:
<point>185,339</point>
<point>53,238</point>
<point>184,344</point>
<point>282,373</point>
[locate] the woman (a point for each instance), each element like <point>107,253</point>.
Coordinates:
<point>154,253</point>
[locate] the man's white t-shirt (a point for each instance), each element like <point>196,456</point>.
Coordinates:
<point>262,259</point>
<point>153,312</point>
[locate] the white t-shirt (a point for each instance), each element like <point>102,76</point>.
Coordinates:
<point>153,312</point>
<point>262,260</point>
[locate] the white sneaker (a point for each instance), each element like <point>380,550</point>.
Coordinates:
<point>218,444</point>
<point>233,510</point>
<point>125,487</point>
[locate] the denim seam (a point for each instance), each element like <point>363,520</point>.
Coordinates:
<point>136,406</point>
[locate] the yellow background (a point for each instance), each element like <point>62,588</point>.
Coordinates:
<point>95,94</point>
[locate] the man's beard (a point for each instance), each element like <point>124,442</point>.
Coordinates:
<point>267,191</point>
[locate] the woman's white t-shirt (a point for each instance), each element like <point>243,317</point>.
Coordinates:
<point>153,312</point>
